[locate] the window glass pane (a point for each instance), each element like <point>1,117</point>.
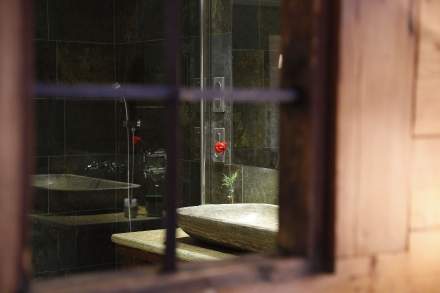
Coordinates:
<point>97,41</point>
<point>241,145</point>
<point>88,152</point>
<point>248,170</point>
<point>242,51</point>
<point>88,166</point>
<point>243,42</point>
<point>95,159</point>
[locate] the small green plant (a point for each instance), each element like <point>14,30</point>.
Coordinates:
<point>228,182</point>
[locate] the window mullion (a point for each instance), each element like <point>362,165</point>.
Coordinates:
<point>172,45</point>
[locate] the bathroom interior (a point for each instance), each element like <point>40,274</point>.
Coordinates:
<point>100,165</point>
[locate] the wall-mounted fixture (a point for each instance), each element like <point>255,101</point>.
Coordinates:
<point>218,105</point>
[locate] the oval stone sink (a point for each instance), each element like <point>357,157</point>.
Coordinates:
<point>70,182</point>
<point>62,193</point>
<point>247,226</point>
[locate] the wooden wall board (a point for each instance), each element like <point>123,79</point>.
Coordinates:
<point>427,116</point>
<point>425,183</point>
<point>374,126</point>
<point>415,270</point>
<point>15,140</point>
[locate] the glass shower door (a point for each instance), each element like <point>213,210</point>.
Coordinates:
<point>88,149</point>
<point>240,140</point>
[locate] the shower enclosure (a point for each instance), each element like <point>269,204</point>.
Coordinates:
<point>93,155</point>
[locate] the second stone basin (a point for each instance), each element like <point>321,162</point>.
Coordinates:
<point>246,226</point>
<point>69,193</point>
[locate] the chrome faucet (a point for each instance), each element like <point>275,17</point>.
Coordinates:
<point>109,167</point>
<point>93,165</point>
<point>155,164</point>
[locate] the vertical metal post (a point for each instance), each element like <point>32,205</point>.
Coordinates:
<point>172,48</point>
<point>203,85</point>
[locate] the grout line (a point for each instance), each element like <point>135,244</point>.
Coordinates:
<point>48,189</point>
<point>48,19</point>
<point>242,183</point>
<point>78,42</point>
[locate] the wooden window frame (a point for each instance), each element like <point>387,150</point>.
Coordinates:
<point>309,47</point>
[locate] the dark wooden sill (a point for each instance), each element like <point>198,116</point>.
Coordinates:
<point>190,277</point>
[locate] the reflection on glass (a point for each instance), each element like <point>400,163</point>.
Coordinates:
<point>100,165</point>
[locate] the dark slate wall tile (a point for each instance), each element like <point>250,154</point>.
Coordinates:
<point>221,52</point>
<point>190,18</point>
<point>190,127</point>
<point>189,181</point>
<point>144,62</point>
<point>271,70</point>
<point>151,19</point>
<point>267,158</point>
<point>44,248</point>
<point>95,246</point>
<point>131,63</point>
<point>269,24</point>
<point>139,20</point>
<point>41,165</point>
<point>78,63</point>
<point>248,125</point>
<point>255,134</point>
<point>248,68</point>
<point>57,164</point>
<point>49,121</point>
<point>127,17</point>
<point>90,127</point>
<point>68,248</point>
<point>41,19</point>
<point>245,33</point>
<point>194,196</point>
<point>221,14</point>
<point>154,62</point>
<point>244,155</point>
<point>40,199</point>
<point>45,61</point>
<point>81,20</point>
<point>260,185</point>
<point>154,125</point>
<point>190,61</point>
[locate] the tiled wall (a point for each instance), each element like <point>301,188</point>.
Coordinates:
<point>109,41</point>
<point>256,29</point>
<point>245,40</point>
<point>74,43</point>
<point>123,41</point>
<point>255,40</point>
<point>140,46</point>
<point>253,184</point>
<point>105,42</point>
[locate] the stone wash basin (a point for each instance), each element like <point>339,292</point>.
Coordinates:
<point>247,226</point>
<point>70,182</point>
<point>61,193</point>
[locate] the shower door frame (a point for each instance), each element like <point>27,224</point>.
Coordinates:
<point>204,69</point>
<point>208,119</point>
